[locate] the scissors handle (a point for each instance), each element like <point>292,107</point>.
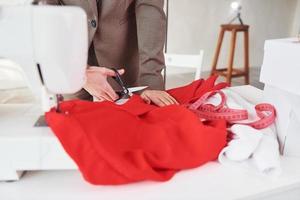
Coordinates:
<point>125,92</point>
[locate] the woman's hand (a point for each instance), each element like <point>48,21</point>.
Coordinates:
<point>159,98</point>
<point>97,84</point>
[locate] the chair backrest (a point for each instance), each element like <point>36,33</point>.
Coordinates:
<point>186,61</point>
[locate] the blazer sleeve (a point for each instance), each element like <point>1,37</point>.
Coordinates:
<point>151,33</point>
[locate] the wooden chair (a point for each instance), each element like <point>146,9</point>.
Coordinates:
<point>186,61</point>
<point>230,72</point>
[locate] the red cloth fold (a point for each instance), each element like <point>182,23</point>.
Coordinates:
<point>113,144</point>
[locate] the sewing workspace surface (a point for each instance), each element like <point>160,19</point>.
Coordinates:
<point>51,173</point>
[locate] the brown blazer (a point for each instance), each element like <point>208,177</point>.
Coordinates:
<point>127,34</point>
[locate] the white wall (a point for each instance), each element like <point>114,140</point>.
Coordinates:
<point>194,25</point>
<point>13,2</point>
<point>296,25</point>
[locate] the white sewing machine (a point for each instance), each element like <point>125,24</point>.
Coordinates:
<point>47,42</point>
<point>50,43</point>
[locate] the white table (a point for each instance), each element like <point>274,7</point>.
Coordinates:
<point>23,147</point>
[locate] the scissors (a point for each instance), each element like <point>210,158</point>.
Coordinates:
<point>125,93</point>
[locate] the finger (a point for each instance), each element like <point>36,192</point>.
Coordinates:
<point>97,69</point>
<point>107,72</point>
<point>146,99</point>
<point>167,100</point>
<point>164,101</point>
<point>105,92</point>
<point>157,101</point>
<point>91,68</point>
<point>121,71</point>
<point>102,70</point>
<point>110,92</point>
<point>99,93</point>
<point>95,99</point>
<point>171,99</point>
<point>95,94</point>
<point>154,99</point>
<point>106,97</point>
<point>100,99</point>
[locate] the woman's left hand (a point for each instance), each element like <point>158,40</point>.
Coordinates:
<point>158,97</point>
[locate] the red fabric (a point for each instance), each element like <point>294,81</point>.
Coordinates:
<point>114,144</point>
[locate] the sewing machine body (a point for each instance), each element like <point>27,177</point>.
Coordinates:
<point>50,44</point>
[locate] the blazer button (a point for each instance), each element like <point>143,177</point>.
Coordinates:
<point>94,23</point>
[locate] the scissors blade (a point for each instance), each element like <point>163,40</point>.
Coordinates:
<point>136,89</point>
<point>130,90</point>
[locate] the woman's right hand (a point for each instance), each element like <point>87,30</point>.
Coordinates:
<point>97,85</point>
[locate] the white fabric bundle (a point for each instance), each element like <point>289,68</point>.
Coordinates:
<point>13,87</point>
<point>253,149</point>
<point>11,76</point>
<point>250,148</point>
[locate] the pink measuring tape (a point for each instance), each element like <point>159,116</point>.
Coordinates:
<point>266,112</point>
